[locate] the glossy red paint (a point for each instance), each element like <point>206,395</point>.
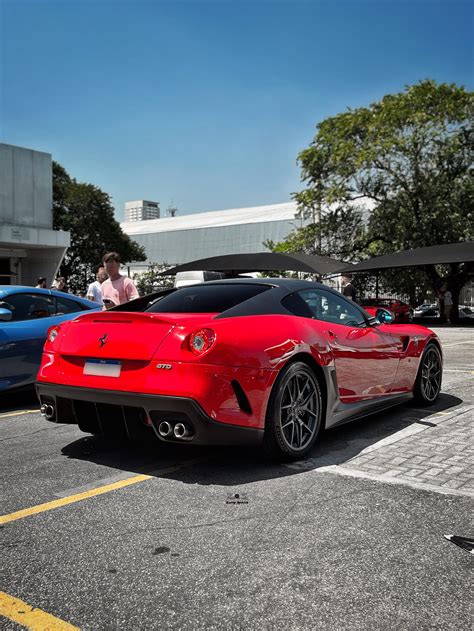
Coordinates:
<point>156,358</point>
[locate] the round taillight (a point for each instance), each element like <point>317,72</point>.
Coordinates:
<point>201,341</point>
<point>53,333</point>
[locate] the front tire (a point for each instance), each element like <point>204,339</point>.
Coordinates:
<point>294,414</point>
<point>430,373</point>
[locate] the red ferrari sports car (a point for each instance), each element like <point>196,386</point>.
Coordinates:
<point>234,361</point>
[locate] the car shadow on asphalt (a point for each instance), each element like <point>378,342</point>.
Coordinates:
<point>231,466</point>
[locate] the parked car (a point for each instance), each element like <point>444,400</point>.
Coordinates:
<point>426,310</point>
<point>401,310</point>
<point>234,361</point>
<point>466,313</point>
<point>26,313</point>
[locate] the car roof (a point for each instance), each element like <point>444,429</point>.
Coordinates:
<point>381,298</point>
<point>8,290</point>
<point>262,303</point>
<point>20,289</point>
<point>269,303</point>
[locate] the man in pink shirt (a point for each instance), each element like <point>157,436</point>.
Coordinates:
<point>117,289</point>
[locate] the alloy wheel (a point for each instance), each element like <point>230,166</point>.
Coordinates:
<point>431,375</point>
<point>299,411</point>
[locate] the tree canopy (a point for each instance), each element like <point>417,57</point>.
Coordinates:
<point>150,280</point>
<point>87,213</point>
<point>410,157</point>
<point>336,233</point>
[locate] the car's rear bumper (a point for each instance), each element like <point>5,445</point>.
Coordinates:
<point>128,414</point>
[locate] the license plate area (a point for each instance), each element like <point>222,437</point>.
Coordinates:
<point>102,367</point>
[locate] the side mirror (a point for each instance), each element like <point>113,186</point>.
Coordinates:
<point>5,315</point>
<point>384,316</point>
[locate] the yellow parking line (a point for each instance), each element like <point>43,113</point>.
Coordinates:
<point>31,617</point>
<point>19,413</point>
<point>63,501</point>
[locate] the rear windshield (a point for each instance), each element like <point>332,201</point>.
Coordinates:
<point>206,298</point>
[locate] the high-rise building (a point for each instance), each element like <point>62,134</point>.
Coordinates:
<point>142,210</point>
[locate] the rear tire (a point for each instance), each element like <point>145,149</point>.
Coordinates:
<point>430,373</point>
<point>294,414</point>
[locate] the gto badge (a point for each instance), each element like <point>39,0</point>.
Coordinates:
<point>102,340</point>
<point>164,366</point>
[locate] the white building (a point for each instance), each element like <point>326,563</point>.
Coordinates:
<point>184,238</point>
<point>141,210</point>
<point>29,247</point>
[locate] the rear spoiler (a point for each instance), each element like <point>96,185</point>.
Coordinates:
<point>124,317</point>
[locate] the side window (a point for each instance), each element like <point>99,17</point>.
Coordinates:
<point>29,306</point>
<point>329,307</point>
<point>297,306</point>
<point>66,305</point>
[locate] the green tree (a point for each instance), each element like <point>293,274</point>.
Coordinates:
<point>87,213</point>
<point>412,155</point>
<point>150,281</point>
<point>337,233</point>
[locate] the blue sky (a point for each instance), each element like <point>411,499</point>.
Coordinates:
<point>208,103</point>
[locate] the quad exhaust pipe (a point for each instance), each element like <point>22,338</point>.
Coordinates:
<point>177,430</point>
<point>181,431</point>
<point>165,429</point>
<point>47,410</point>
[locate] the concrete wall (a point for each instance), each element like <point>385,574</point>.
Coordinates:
<point>26,188</point>
<point>27,239</point>
<point>40,262</point>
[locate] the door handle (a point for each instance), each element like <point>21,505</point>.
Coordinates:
<point>332,335</point>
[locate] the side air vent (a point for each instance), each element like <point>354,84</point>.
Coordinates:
<point>244,403</point>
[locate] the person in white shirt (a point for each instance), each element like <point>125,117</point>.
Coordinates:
<point>448,302</point>
<point>94,291</point>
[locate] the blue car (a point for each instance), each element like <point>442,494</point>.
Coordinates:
<point>26,314</point>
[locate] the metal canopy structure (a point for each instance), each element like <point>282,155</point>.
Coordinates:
<point>432,255</point>
<point>263,262</point>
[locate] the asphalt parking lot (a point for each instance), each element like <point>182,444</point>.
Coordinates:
<point>100,535</point>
